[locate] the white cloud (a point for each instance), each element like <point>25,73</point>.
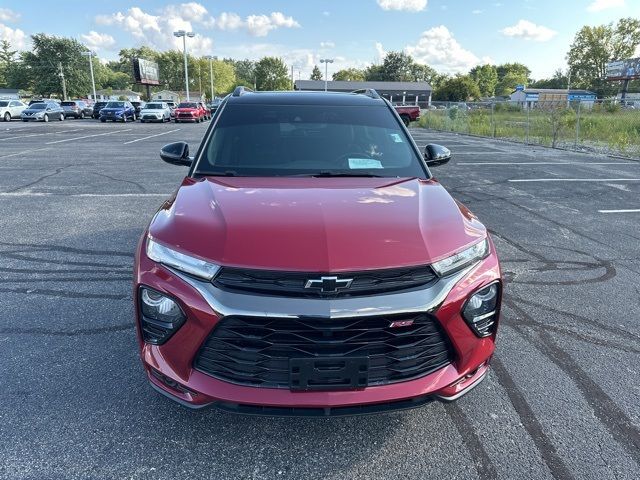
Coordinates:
<point>438,48</point>
<point>16,37</point>
<point>98,41</point>
<point>529,31</point>
<point>380,52</point>
<point>261,25</point>
<point>228,21</point>
<point>406,5</point>
<point>476,12</point>
<point>326,13</point>
<point>155,30</point>
<point>8,15</point>
<point>327,44</point>
<point>599,5</point>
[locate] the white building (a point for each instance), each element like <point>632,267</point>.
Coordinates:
<point>166,95</point>
<point>107,95</point>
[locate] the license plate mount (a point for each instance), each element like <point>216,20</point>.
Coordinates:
<point>344,373</point>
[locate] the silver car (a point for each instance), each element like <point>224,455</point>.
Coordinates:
<point>10,109</point>
<point>155,112</point>
<point>43,112</point>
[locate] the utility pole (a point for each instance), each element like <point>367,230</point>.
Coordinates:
<point>90,54</point>
<point>293,85</point>
<point>184,35</point>
<point>326,62</point>
<point>64,83</point>
<point>213,93</point>
<point>200,78</point>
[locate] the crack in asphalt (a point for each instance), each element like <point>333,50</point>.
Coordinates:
<point>615,420</point>
<point>139,186</point>
<point>531,424</point>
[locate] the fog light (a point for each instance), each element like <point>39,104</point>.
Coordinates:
<point>481,310</point>
<point>161,316</point>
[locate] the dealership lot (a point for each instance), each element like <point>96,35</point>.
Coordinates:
<point>561,401</point>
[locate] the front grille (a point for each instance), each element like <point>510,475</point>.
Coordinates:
<point>150,117</point>
<point>292,284</point>
<point>257,351</point>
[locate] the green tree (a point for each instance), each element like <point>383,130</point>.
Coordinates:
<point>422,73</point>
<point>244,71</point>
<point>509,76</point>
<point>43,63</point>
<point>350,75</point>
<point>486,76</point>
<point>316,74</point>
<point>558,80</point>
<point>460,88</point>
<point>397,67</point>
<point>272,74</point>
<point>7,60</point>
<point>594,47</point>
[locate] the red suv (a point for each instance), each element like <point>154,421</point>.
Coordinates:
<point>189,112</point>
<point>310,264</point>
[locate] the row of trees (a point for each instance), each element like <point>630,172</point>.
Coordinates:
<point>41,69</point>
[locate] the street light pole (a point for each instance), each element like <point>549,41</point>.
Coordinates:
<point>213,93</point>
<point>184,35</point>
<point>326,62</point>
<point>90,54</point>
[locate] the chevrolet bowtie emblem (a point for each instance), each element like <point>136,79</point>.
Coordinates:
<point>329,284</point>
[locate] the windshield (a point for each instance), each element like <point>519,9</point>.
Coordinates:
<point>187,105</point>
<point>309,140</point>
<point>153,106</point>
<point>38,106</point>
<point>115,105</point>
<point>68,104</point>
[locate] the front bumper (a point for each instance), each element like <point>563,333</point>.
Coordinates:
<point>169,367</point>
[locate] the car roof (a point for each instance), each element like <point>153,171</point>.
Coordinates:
<point>305,98</point>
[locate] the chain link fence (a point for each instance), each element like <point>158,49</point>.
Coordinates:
<point>602,126</point>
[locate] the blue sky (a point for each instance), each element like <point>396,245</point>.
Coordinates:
<point>450,35</point>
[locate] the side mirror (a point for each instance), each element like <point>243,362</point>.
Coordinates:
<point>176,154</point>
<point>48,109</point>
<point>436,155</point>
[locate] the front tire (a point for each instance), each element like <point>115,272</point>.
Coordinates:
<point>46,117</point>
<point>7,117</point>
<point>61,117</point>
<point>103,120</point>
<point>81,115</point>
<point>124,119</point>
<point>406,120</point>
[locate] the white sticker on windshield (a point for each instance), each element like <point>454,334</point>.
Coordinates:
<point>396,137</point>
<point>355,163</point>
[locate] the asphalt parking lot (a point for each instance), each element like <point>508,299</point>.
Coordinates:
<point>562,400</point>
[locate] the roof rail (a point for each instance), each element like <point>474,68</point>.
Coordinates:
<point>240,90</point>
<point>369,92</point>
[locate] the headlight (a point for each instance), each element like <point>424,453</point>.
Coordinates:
<point>480,311</point>
<point>462,259</point>
<point>180,261</point>
<point>161,316</point>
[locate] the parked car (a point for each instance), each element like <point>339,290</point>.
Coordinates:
<point>43,112</point>
<point>310,263</point>
<point>408,113</point>
<point>155,112</point>
<point>97,107</point>
<point>76,109</point>
<point>206,109</point>
<point>213,106</point>
<point>43,100</point>
<point>138,106</point>
<point>10,109</point>
<point>189,112</point>
<point>118,111</point>
<point>172,106</point>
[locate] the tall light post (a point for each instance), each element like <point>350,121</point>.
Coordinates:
<point>326,62</point>
<point>90,54</point>
<point>184,35</point>
<point>210,58</point>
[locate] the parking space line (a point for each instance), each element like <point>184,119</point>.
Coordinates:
<point>91,195</point>
<point>549,163</point>
<point>87,136</point>
<point>628,210</point>
<point>23,136</point>
<point>531,180</point>
<point>23,152</point>
<point>150,136</point>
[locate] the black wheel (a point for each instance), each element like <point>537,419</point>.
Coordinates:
<point>61,117</point>
<point>406,120</point>
<point>7,117</point>
<point>124,119</point>
<point>81,115</point>
<point>46,117</point>
<point>103,120</point>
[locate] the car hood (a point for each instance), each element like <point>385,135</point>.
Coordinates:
<point>33,110</point>
<point>186,109</point>
<point>151,111</point>
<point>315,224</point>
<point>115,110</point>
